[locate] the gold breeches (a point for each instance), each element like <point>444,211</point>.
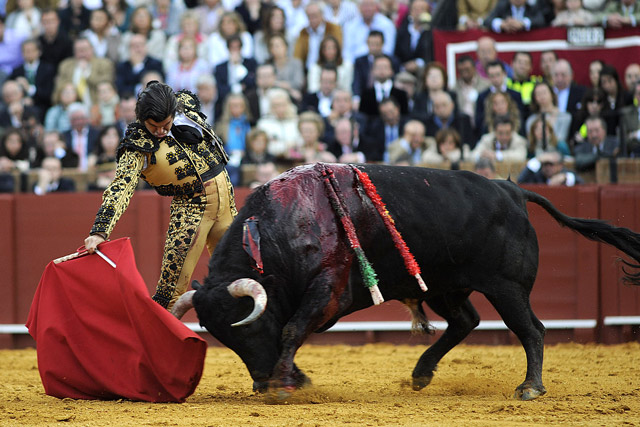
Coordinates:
<point>195,220</point>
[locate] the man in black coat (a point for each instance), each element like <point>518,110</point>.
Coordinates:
<point>55,44</point>
<point>445,116</point>
<point>320,101</point>
<point>382,130</point>
<point>383,87</point>
<point>569,93</point>
<point>35,76</point>
<point>50,179</point>
<point>414,52</point>
<point>514,16</point>
<point>236,75</point>
<point>129,73</point>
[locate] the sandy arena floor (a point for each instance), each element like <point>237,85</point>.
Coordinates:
<point>588,385</point>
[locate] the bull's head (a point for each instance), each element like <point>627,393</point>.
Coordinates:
<point>237,289</point>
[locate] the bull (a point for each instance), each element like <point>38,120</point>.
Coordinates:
<point>467,234</point>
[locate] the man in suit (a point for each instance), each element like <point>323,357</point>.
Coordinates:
<point>498,80</point>
<point>257,97</point>
<point>85,71</point>
<point>341,108</point>
<point>35,76</point>
<point>569,93</point>
<point>468,86</point>
<point>320,101</point>
<point>514,16</point>
<point>382,88</point>
<point>56,45</point>
<point>445,116</point>
<point>619,14</point>
<point>630,124</point>
<point>597,146</point>
<point>129,73</point>
<point>50,179</point>
<point>307,46</point>
<point>125,112</point>
<point>237,74</point>
<point>414,39</point>
<point>82,138</point>
<point>383,129</point>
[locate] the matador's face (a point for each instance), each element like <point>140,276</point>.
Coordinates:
<point>159,129</point>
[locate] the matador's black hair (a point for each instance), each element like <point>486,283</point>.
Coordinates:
<point>156,102</point>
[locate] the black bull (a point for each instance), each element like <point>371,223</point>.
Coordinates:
<point>467,234</point>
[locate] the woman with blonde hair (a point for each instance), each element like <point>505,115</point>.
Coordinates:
<point>280,123</point>
<point>500,104</point>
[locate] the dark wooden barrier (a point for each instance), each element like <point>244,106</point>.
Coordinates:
<point>574,276</point>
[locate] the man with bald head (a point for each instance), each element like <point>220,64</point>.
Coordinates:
<point>487,53</point>
<point>307,46</point>
<point>444,116</point>
<point>569,93</point>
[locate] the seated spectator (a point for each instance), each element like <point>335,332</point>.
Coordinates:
<point>321,100</point>
<point>209,13</point>
<point>189,28</point>
<point>356,31</point>
<point>383,87</point>
<point>35,76</point>
<point>630,126</point>
<point>544,104</point>
<point>272,24</point>
<point>55,44</point>
<point>184,73</point>
<point>447,149</point>
<point>289,70</point>
<point>486,167</point>
<point>595,67</point>
<point>311,148</point>
<point>257,97</point>
<point>548,168</point>
<point>548,59</point>
<point>217,43</point>
<point>166,15</point>
<point>523,80</point>
<point>251,13</point>
<point>383,130</point>
<point>103,159</point>
<point>409,149</point>
<point>594,103</point>
<point>280,123</point>
<point>233,127</point>
<point>569,93</point>
<point>25,19</point>
<point>103,35</point>
<point>15,107</point>
<point>74,18</point>
<point>10,45</point>
<point>514,16</point>
<point>307,45</point>
<point>238,73</point>
<point>52,145</point>
<point>130,71</point>
<point>597,146</point>
<point>85,71</point>
<point>498,80</point>
<point>407,82</point>
<point>295,16</point>
<point>50,179</point>
<point>57,117</point>
<point>497,105</point>
<point>542,138</point>
<point>435,81</point>
<point>488,53</point>
<point>612,87</point>
<point>631,77</point>
<point>395,10</point>
<point>207,91</point>
<point>471,14</point>
<point>341,108</point>
<point>126,112</point>
<point>414,41</point>
<point>330,56</point>
<point>82,138</point>
<point>142,25</point>
<point>469,85</point>
<point>14,151</point>
<point>502,144</point>
<point>103,112</point>
<point>619,14</point>
<point>265,172</point>
<point>445,116</point>
<point>255,152</point>
<point>120,13</point>
<point>346,144</point>
<point>340,12</point>
<point>574,15</point>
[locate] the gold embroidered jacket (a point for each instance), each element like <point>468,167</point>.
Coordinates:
<point>170,166</point>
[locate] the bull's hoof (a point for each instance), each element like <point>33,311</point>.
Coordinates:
<point>529,392</point>
<point>260,386</point>
<point>279,394</point>
<point>421,382</point>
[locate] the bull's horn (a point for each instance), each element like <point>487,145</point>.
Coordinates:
<point>184,304</point>
<point>253,289</point>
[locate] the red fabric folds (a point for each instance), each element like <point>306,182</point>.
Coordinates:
<point>100,336</point>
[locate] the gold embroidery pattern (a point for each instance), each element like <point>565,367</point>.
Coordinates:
<point>116,197</point>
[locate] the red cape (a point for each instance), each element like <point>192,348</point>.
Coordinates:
<point>100,336</point>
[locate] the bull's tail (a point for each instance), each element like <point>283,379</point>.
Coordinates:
<point>597,230</point>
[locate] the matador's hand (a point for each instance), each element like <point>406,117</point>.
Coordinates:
<point>92,242</point>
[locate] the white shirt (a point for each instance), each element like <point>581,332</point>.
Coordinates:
<point>357,31</point>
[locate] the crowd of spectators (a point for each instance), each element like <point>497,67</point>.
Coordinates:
<point>293,81</point>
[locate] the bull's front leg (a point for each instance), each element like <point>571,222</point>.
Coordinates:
<point>319,304</point>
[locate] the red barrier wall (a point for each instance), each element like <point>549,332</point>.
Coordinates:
<point>577,278</point>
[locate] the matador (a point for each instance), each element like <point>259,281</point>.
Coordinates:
<point>173,149</point>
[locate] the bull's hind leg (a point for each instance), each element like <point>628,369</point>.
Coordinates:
<point>514,308</point>
<point>461,317</point>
